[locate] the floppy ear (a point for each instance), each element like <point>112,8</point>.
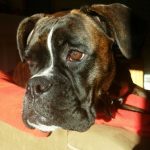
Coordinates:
<point>128,30</point>
<point>23,31</point>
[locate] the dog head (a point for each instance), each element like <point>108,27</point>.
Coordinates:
<point>72,62</point>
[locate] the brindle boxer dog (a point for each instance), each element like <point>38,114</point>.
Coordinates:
<point>78,63</point>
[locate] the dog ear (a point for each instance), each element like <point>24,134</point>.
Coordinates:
<point>23,31</point>
<point>128,30</point>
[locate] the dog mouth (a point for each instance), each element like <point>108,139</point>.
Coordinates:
<point>34,120</point>
<point>77,119</point>
<point>42,127</point>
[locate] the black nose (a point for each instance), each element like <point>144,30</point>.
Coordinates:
<point>38,85</point>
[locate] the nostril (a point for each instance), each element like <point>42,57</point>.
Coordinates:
<point>38,85</point>
<point>38,89</point>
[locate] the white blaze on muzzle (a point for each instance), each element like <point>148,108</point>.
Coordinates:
<point>48,71</point>
<point>49,45</point>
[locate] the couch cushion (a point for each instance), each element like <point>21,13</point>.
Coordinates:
<point>130,120</point>
<point>11,97</point>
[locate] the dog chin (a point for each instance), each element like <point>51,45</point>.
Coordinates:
<point>42,127</point>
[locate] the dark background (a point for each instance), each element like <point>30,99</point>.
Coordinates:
<point>28,7</point>
<point>13,11</point>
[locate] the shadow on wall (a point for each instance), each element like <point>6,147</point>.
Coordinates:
<point>8,49</point>
<point>142,8</point>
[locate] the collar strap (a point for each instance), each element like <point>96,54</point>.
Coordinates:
<point>121,103</point>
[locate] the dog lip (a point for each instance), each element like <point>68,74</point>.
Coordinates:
<point>27,124</point>
<point>42,127</point>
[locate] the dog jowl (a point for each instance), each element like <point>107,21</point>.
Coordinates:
<point>72,62</point>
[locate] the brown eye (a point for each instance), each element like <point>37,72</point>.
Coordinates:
<point>30,62</point>
<point>75,55</point>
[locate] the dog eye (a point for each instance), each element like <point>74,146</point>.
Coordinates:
<point>29,60</point>
<point>30,63</point>
<point>75,55</point>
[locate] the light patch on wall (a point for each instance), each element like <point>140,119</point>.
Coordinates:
<point>137,77</point>
<point>147,81</point>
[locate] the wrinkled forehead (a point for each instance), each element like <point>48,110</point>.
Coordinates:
<point>70,26</point>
